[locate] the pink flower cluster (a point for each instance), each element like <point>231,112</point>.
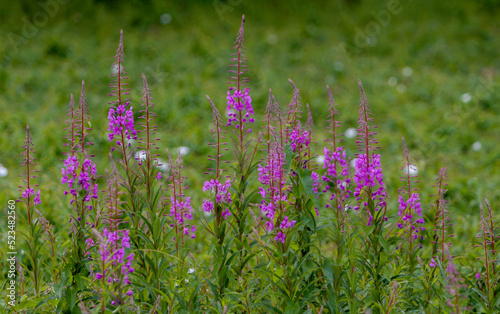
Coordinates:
<point>222,195</point>
<point>121,120</point>
<point>409,208</point>
<point>181,211</point>
<point>285,224</point>
<point>299,138</point>
<point>271,177</point>
<point>84,181</point>
<point>273,183</point>
<point>369,176</point>
<point>116,266</point>
<point>239,102</point>
<point>332,160</point>
<point>29,192</point>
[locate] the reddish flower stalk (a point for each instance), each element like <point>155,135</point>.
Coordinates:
<point>114,214</point>
<point>222,196</point>
<point>240,101</point>
<point>70,122</point>
<point>310,132</point>
<point>121,120</point>
<point>298,137</point>
<point>79,173</point>
<point>409,203</point>
<point>338,181</point>
<point>366,137</point>
<point>486,235</point>
<point>493,237</point>
<point>82,122</point>
<point>147,142</point>
<point>28,192</point>
<point>333,157</point>
<point>27,189</point>
<point>453,283</point>
<point>218,142</point>
<point>333,124</point>
<point>368,170</point>
<point>180,208</point>
<point>294,110</point>
<point>442,220</point>
<point>273,179</point>
<point>273,114</point>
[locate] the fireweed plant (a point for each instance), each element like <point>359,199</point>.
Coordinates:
<point>283,225</point>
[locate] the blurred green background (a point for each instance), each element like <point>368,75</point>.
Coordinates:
<point>430,71</point>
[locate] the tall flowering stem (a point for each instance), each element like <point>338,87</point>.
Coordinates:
<point>121,120</point>
<point>70,128</point>
<point>28,189</point>
<point>338,183</point>
<point>333,126</point>
<point>82,124</point>
<point>487,238</point>
<point>79,175</point>
<point>122,130</point>
<point>272,115</point>
<point>310,133</point>
<point>298,137</point>
<point>239,102</point>
<point>113,267</point>
<point>274,195</point>
<point>294,110</point>
<point>147,140</point>
<point>221,202</point>
<point>181,211</point>
<point>113,215</point>
<point>410,211</point>
<point>442,220</point>
<point>369,188</point>
<point>31,200</point>
<point>368,170</point>
<point>454,283</point>
<point>490,219</point>
<point>240,113</point>
<point>335,156</point>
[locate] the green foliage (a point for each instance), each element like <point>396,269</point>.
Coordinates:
<point>328,263</point>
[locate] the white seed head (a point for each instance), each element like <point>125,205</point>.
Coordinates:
<point>476,146</point>
<point>329,79</point>
<point>413,170</point>
<point>114,68</point>
<point>165,19</point>
<point>161,165</point>
<point>140,155</point>
<point>351,133</point>
<point>338,66</point>
<point>183,150</point>
<point>407,71</point>
<point>3,171</point>
<point>466,97</point>
<point>272,39</point>
<point>320,159</point>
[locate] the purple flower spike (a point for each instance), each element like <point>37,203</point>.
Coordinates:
<point>239,105</point>
<point>37,200</point>
<point>368,176</point>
